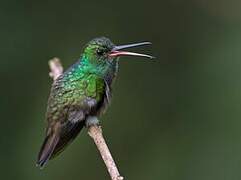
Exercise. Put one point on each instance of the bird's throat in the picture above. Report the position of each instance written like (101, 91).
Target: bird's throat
(105, 70)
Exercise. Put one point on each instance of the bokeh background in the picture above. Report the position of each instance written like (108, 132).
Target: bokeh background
(175, 118)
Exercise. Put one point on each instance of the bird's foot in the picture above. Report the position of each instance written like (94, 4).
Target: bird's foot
(92, 121)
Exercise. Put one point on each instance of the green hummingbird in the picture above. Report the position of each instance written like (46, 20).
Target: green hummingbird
(81, 94)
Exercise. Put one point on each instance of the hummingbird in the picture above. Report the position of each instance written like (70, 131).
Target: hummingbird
(81, 94)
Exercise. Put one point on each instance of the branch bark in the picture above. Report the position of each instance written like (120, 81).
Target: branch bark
(95, 132)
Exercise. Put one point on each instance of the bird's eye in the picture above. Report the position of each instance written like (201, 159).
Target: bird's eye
(100, 52)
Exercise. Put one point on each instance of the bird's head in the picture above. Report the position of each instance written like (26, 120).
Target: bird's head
(103, 51)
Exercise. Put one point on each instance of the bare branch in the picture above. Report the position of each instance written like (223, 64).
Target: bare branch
(95, 132)
(56, 68)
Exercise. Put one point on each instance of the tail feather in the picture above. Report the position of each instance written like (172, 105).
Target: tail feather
(47, 149)
(58, 140)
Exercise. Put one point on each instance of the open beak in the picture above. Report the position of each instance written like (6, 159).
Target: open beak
(116, 50)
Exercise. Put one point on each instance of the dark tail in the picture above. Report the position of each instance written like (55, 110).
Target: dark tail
(54, 144)
(47, 149)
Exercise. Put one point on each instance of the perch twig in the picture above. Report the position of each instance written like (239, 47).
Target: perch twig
(94, 131)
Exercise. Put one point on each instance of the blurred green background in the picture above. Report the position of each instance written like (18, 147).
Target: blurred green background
(175, 118)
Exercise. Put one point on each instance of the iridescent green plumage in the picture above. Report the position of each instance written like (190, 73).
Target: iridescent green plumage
(81, 92)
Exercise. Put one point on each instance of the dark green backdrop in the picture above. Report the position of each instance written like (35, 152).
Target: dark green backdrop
(175, 118)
